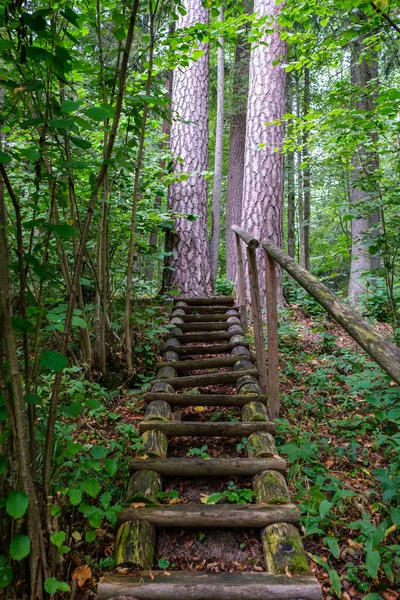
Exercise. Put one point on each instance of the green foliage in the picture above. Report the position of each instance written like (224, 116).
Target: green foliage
(233, 495)
(199, 452)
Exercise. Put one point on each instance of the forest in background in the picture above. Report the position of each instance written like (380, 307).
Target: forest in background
(96, 147)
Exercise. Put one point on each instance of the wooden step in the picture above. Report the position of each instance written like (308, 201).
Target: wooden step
(204, 310)
(204, 399)
(212, 467)
(207, 326)
(209, 349)
(208, 428)
(202, 363)
(206, 301)
(214, 336)
(194, 585)
(212, 515)
(206, 379)
(206, 318)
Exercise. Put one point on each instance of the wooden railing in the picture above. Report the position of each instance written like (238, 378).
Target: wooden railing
(381, 350)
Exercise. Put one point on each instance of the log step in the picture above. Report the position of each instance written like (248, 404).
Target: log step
(211, 428)
(209, 349)
(207, 378)
(207, 326)
(212, 467)
(209, 515)
(210, 300)
(214, 318)
(208, 586)
(204, 310)
(204, 337)
(204, 399)
(202, 363)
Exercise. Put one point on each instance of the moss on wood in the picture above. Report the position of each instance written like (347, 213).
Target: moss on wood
(134, 546)
(255, 411)
(283, 550)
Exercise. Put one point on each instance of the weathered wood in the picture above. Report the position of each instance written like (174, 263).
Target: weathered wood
(238, 339)
(283, 550)
(166, 373)
(240, 350)
(272, 332)
(235, 329)
(212, 467)
(243, 364)
(246, 379)
(134, 546)
(210, 349)
(160, 387)
(203, 399)
(203, 310)
(257, 318)
(254, 411)
(251, 389)
(158, 410)
(212, 428)
(176, 416)
(270, 488)
(386, 354)
(233, 312)
(209, 300)
(170, 356)
(172, 343)
(207, 379)
(175, 331)
(233, 320)
(180, 304)
(201, 585)
(204, 363)
(208, 515)
(241, 283)
(143, 486)
(207, 326)
(248, 239)
(260, 444)
(205, 337)
(179, 312)
(177, 321)
(214, 318)
(155, 443)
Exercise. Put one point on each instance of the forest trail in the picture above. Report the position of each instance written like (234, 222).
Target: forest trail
(207, 365)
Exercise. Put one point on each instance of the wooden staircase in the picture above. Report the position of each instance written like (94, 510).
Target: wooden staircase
(201, 328)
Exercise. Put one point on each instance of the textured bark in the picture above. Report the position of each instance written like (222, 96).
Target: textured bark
(305, 249)
(261, 445)
(134, 546)
(189, 141)
(262, 212)
(283, 550)
(270, 488)
(291, 204)
(143, 486)
(237, 140)
(363, 76)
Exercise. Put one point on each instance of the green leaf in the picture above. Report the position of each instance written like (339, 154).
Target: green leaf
(91, 487)
(64, 230)
(5, 159)
(335, 582)
(58, 538)
(20, 547)
(33, 399)
(38, 54)
(6, 573)
(75, 496)
(99, 451)
(324, 508)
(111, 466)
(21, 324)
(96, 113)
(6, 44)
(372, 563)
(79, 322)
(80, 142)
(52, 586)
(92, 403)
(30, 153)
(90, 536)
(68, 106)
(17, 504)
(70, 15)
(3, 464)
(373, 596)
(52, 360)
(163, 563)
(333, 546)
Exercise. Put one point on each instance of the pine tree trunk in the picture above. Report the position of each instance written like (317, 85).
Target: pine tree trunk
(299, 175)
(237, 141)
(291, 204)
(305, 254)
(365, 161)
(263, 172)
(219, 149)
(189, 141)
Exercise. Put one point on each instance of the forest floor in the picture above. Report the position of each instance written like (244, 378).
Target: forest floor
(337, 429)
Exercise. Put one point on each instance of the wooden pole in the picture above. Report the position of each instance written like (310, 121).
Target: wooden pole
(386, 354)
(257, 318)
(272, 347)
(241, 283)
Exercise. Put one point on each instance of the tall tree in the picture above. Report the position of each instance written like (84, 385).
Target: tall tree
(364, 74)
(189, 142)
(291, 204)
(305, 248)
(237, 140)
(263, 172)
(219, 148)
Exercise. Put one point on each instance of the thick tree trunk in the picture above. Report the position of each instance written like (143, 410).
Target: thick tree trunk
(189, 141)
(263, 172)
(365, 161)
(219, 150)
(291, 204)
(305, 249)
(237, 142)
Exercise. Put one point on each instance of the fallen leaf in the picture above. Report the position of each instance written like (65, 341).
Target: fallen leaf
(138, 505)
(82, 574)
(77, 536)
(199, 408)
(390, 595)
(174, 501)
(345, 596)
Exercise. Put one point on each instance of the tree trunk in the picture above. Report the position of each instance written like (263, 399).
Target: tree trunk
(219, 150)
(263, 172)
(299, 173)
(365, 161)
(237, 141)
(189, 141)
(291, 204)
(305, 249)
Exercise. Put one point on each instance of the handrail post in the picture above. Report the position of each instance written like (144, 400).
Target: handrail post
(241, 283)
(257, 317)
(272, 327)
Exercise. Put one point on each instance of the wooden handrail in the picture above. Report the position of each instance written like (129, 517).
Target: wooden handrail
(386, 354)
(248, 239)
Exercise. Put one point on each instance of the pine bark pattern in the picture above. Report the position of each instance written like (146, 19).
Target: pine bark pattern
(189, 141)
(263, 172)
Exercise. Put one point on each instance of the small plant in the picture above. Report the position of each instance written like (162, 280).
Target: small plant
(199, 452)
(244, 445)
(202, 537)
(232, 494)
(163, 563)
(172, 495)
